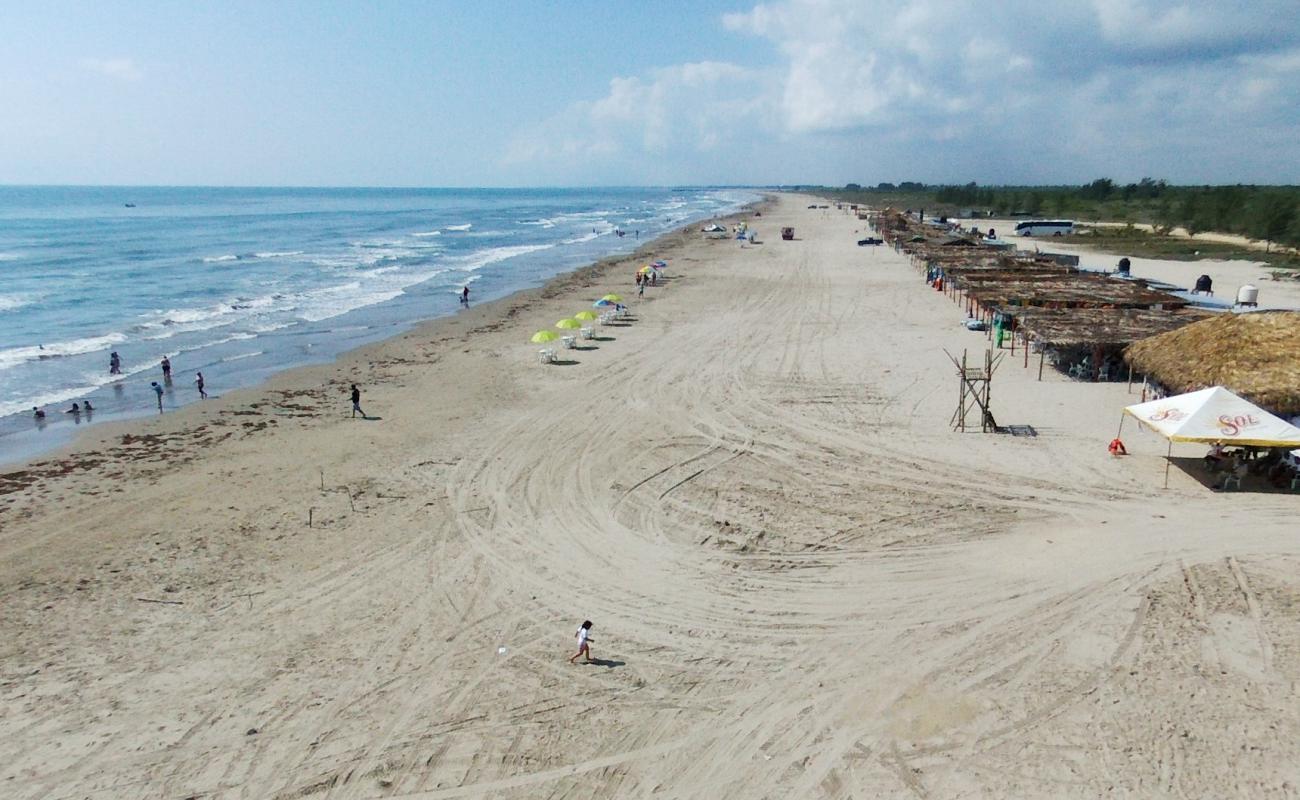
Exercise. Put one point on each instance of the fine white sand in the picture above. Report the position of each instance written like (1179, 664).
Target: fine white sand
(803, 583)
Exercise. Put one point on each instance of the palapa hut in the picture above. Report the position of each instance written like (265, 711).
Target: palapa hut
(1086, 341)
(1256, 355)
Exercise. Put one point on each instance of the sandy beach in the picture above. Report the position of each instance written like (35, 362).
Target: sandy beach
(803, 582)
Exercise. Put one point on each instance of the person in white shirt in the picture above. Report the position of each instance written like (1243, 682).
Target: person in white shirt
(584, 639)
(1215, 457)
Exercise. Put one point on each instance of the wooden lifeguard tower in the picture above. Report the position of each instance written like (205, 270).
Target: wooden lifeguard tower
(974, 391)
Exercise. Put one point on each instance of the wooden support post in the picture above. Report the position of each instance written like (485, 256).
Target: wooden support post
(961, 395)
(1042, 355)
(986, 419)
(1168, 459)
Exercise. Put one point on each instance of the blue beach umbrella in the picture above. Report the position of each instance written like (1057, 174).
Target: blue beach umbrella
(601, 303)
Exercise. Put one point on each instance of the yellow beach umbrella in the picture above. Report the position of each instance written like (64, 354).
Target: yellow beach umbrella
(613, 298)
(585, 316)
(645, 269)
(542, 337)
(568, 324)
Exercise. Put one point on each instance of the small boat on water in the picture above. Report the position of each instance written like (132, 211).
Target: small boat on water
(130, 205)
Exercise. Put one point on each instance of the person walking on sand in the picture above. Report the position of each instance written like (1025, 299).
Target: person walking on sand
(158, 392)
(584, 643)
(640, 290)
(356, 402)
(198, 381)
(167, 369)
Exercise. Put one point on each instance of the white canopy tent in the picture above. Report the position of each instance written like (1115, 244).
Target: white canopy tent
(1213, 415)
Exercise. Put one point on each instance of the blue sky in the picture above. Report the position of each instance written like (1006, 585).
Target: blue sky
(793, 91)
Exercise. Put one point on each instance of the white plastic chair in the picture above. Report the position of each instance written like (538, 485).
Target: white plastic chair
(588, 333)
(570, 342)
(1234, 477)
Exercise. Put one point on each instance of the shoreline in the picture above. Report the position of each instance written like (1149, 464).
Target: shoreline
(99, 434)
(280, 601)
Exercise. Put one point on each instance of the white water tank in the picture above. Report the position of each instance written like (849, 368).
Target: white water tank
(1248, 295)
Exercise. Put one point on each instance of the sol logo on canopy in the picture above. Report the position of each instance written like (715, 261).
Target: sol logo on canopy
(1232, 426)
(1170, 414)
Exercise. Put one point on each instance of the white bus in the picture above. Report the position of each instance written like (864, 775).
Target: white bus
(1045, 227)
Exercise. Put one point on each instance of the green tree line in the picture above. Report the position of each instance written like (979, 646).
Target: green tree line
(1270, 213)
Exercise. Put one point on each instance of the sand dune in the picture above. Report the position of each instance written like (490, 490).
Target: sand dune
(803, 583)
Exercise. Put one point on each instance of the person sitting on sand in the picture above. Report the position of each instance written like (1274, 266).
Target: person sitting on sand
(584, 643)
(1214, 458)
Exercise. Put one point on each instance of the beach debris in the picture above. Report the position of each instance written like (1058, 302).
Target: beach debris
(163, 602)
(251, 732)
(501, 650)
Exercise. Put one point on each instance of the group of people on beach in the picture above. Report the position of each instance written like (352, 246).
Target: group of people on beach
(115, 368)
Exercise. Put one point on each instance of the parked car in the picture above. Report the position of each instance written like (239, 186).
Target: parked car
(870, 240)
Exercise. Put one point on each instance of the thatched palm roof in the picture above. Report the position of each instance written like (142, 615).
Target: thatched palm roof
(1107, 327)
(1256, 355)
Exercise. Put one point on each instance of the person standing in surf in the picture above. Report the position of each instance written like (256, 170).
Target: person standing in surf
(584, 642)
(198, 381)
(158, 392)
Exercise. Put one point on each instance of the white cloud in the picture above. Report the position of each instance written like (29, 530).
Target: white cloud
(683, 111)
(120, 68)
(1175, 88)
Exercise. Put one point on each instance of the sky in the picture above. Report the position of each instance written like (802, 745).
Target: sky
(631, 93)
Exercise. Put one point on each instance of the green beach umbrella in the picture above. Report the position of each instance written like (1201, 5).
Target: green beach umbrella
(586, 316)
(542, 337)
(613, 298)
(568, 324)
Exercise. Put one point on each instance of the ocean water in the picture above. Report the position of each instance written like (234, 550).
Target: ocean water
(242, 283)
